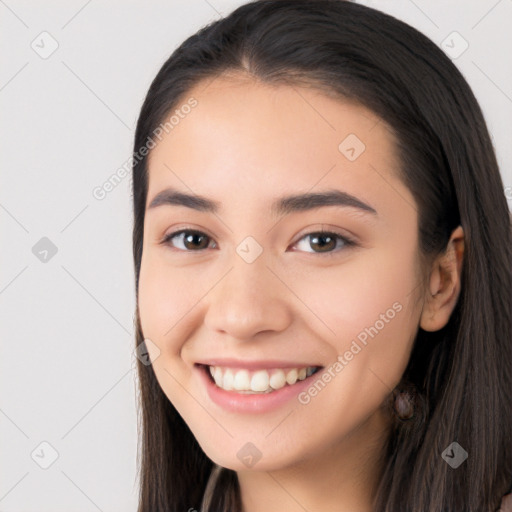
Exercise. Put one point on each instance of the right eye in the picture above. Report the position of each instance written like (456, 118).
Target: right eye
(190, 240)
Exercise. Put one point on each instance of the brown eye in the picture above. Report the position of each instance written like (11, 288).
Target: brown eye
(188, 240)
(325, 242)
(322, 242)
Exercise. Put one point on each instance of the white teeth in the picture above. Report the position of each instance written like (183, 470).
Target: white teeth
(291, 376)
(258, 381)
(227, 381)
(277, 380)
(242, 381)
(217, 375)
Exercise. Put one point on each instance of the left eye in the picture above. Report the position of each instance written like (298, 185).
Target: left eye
(196, 241)
(192, 237)
(326, 241)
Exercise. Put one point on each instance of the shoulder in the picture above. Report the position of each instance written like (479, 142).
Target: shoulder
(506, 503)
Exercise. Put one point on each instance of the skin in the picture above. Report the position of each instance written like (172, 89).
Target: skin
(244, 145)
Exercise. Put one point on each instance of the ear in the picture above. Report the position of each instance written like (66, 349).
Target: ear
(444, 284)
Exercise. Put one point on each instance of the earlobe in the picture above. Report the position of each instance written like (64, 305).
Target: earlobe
(444, 284)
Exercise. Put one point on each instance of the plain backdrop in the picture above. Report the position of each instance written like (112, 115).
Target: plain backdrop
(68, 424)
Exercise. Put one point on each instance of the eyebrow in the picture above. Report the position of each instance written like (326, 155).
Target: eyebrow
(282, 206)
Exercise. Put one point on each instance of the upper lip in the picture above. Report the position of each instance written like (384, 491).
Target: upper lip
(254, 364)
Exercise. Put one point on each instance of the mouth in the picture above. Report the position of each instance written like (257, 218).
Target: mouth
(254, 390)
(244, 381)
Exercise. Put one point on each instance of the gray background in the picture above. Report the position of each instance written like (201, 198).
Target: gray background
(67, 364)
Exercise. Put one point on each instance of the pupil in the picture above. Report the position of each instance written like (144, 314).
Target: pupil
(323, 237)
(192, 238)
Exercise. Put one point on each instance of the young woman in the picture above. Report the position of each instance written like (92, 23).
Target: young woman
(322, 250)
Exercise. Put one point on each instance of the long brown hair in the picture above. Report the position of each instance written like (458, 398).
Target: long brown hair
(461, 374)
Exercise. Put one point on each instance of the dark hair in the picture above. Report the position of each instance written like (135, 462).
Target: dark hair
(461, 374)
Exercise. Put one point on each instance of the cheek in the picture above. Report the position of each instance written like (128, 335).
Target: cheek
(371, 309)
(365, 309)
(166, 300)
(165, 296)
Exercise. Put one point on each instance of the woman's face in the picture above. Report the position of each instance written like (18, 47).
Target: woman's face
(258, 295)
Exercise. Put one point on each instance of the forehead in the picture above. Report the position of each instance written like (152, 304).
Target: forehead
(259, 140)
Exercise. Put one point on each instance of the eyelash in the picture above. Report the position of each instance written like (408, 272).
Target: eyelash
(348, 242)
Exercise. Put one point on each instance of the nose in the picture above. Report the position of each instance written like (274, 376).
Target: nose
(248, 300)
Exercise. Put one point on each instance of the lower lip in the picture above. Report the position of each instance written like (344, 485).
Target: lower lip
(247, 403)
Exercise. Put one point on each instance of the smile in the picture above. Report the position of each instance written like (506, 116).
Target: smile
(254, 387)
(258, 381)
